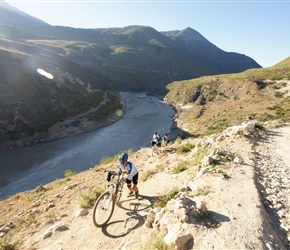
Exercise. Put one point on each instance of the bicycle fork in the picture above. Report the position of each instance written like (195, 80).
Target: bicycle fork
(107, 201)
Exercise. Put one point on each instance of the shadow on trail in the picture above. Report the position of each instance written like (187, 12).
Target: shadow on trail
(131, 204)
(132, 220)
(121, 228)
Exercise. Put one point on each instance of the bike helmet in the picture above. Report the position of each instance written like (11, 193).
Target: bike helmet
(123, 157)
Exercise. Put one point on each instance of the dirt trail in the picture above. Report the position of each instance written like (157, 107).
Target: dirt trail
(234, 202)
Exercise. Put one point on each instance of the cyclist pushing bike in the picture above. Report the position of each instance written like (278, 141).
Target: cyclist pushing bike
(131, 171)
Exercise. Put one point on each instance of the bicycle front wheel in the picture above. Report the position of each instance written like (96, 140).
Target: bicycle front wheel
(103, 209)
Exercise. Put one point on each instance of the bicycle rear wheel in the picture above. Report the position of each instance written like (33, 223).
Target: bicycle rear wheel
(103, 209)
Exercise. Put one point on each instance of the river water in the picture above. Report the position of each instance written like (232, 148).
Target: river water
(25, 168)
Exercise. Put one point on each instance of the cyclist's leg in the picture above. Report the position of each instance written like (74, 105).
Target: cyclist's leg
(129, 186)
(135, 182)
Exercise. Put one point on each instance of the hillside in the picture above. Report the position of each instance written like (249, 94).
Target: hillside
(225, 182)
(233, 181)
(87, 66)
(210, 104)
(224, 176)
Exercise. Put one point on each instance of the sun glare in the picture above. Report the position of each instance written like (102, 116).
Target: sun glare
(44, 73)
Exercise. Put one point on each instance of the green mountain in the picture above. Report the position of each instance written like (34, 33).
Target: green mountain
(88, 66)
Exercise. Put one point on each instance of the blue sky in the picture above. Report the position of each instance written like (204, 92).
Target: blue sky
(258, 29)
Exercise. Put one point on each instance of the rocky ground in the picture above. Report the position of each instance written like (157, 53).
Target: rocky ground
(233, 194)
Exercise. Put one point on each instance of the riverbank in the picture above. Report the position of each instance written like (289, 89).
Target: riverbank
(44, 163)
(71, 126)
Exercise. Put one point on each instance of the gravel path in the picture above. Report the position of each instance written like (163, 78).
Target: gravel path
(272, 159)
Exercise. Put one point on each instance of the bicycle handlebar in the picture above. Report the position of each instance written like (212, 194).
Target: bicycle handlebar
(112, 173)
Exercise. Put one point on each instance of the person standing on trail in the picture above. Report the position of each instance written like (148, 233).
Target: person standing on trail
(166, 139)
(153, 141)
(128, 168)
(158, 140)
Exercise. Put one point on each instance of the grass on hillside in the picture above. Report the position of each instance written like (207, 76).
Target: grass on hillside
(113, 159)
(207, 105)
(161, 201)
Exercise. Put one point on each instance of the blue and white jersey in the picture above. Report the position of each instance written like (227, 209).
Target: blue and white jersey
(132, 170)
(158, 139)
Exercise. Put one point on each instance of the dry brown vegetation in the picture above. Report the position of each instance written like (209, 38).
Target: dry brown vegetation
(208, 105)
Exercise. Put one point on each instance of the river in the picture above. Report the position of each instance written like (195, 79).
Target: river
(25, 168)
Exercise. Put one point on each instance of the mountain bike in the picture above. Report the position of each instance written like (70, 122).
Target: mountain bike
(105, 204)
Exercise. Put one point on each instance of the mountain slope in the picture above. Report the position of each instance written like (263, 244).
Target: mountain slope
(13, 16)
(210, 54)
(214, 102)
(89, 64)
(235, 217)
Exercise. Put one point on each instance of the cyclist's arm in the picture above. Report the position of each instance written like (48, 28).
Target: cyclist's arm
(124, 171)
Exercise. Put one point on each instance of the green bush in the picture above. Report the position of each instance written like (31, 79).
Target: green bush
(278, 94)
(161, 201)
(181, 166)
(32, 196)
(88, 199)
(106, 159)
(184, 148)
(68, 174)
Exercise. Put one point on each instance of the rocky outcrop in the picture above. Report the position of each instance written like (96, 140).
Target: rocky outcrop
(188, 209)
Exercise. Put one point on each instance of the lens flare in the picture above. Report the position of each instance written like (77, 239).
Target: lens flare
(44, 73)
(119, 112)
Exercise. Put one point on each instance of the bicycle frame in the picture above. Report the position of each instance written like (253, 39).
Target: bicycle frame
(114, 184)
(105, 204)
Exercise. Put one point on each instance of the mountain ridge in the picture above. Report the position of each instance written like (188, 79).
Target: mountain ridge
(134, 58)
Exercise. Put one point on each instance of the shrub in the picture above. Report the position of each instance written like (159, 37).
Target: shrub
(107, 160)
(184, 148)
(178, 139)
(32, 196)
(202, 152)
(7, 245)
(203, 191)
(146, 174)
(40, 188)
(181, 166)
(259, 126)
(157, 243)
(15, 196)
(88, 199)
(68, 174)
(278, 94)
(161, 201)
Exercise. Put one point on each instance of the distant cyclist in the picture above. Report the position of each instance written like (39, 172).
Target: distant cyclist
(128, 168)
